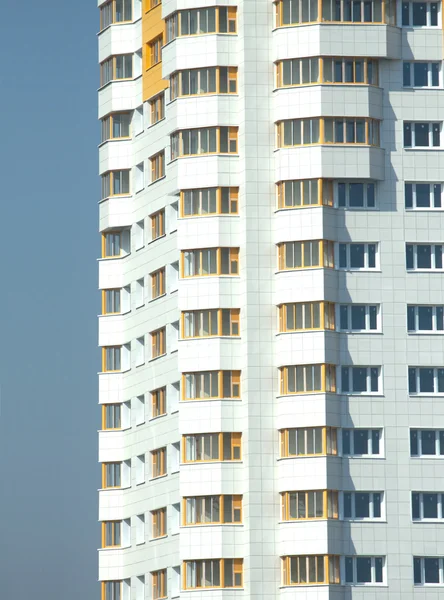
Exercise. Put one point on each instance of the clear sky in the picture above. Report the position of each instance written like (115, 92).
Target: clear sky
(48, 300)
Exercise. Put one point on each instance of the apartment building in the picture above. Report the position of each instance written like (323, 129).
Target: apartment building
(272, 380)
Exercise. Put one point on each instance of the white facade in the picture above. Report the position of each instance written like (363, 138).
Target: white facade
(391, 281)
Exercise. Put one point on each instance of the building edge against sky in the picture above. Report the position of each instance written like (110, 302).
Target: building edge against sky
(272, 299)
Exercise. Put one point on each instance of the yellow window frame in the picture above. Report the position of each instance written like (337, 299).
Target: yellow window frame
(158, 283)
(328, 379)
(235, 447)
(329, 446)
(326, 313)
(158, 462)
(324, 193)
(234, 384)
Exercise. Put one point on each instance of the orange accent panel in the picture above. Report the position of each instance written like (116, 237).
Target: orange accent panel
(152, 27)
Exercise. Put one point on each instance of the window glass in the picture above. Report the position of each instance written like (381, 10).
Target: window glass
(359, 375)
(358, 317)
(363, 569)
(362, 505)
(431, 570)
(428, 446)
(357, 256)
(360, 441)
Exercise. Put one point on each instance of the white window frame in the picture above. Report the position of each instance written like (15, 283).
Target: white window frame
(367, 307)
(348, 246)
(434, 250)
(439, 507)
(368, 391)
(431, 206)
(422, 566)
(417, 371)
(412, 64)
(420, 454)
(347, 185)
(431, 130)
(373, 571)
(371, 516)
(413, 309)
(428, 25)
(370, 452)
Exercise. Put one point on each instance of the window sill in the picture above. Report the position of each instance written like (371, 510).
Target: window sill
(426, 395)
(424, 148)
(191, 525)
(140, 543)
(297, 457)
(210, 215)
(206, 155)
(428, 457)
(156, 181)
(140, 424)
(361, 394)
(428, 585)
(344, 270)
(425, 209)
(211, 400)
(113, 141)
(157, 298)
(360, 585)
(140, 306)
(113, 430)
(367, 520)
(157, 357)
(157, 238)
(158, 477)
(151, 125)
(363, 456)
(427, 271)
(360, 331)
(120, 314)
(160, 537)
(111, 258)
(211, 462)
(116, 489)
(210, 337)
(120, 196)
(108, 548)
(430, 521)
(157, 417)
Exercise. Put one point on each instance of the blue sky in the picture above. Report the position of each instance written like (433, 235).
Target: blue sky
(48, 300)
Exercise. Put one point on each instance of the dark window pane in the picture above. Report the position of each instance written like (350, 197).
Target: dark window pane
(376, 506)
(411, 318)
(414, 442)
(359, 375)
(362, 505)
(422, 195)
(409, 256)
(343, 317)
(406, 74)
(419, 14)
(417, 570)
(439, 318)
(356, 195)
(375, 441)
(421, 132)
(426, 383)
(372, 256)
(438, 256)
(428, 444)
(424, 256)
(360, 441)
(349, 569)
(440, 380)
(347, 505)
(415, 506)
(345, 379)
(358, 317)
(378, 570)
(373, 312)
(408, 194)
(343, 256)
(357, 254)
(346, 437)
(437, 195)
(407, 135)
(341, 194)
(435, 74)
(434, 14)
(371, 195)
(420, 74)
(405, 13)
(363, 569)
(374, 379)
(430, 506)
(425, 318)
(431, 570)
(412, 381)
(436, 134)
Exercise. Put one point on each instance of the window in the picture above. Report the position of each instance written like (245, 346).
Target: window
(158, 283)
(111, 416)
(426, 380)
(159, 582)
(428, 570)
(209, 201)
(116, 126)
(422, 195)
(207, 323)
(197, 82)
(356, 194)
(158, 462)
(154, 54)
(200, 510)
(116, 183)
(420, 14)
(158, 402)
(359, 317)
(111, 534)
(159, 522)
(210, 261)
(307, 71)
(158, 224)
(361, 380)
(220, 19)
(111, 244)
(310, 570)
(318, 504)
(361, 442)
(302, 132)
(111, 358)
(360, 257)
(111, 590)
(211, 446)
(115, 68)
(424, 256)
(426, 442)
(427, 506)
(294, 12)
(208, 140)
(111, 302)
(425, 318)
(360, 570)
(209, 385)
(306, 255)
(116, 11)
(111, 475)
(154, 3)
(362, 505)
(157, 166)
(157, 108)
(421, 74)
(302, 193)
(223, 572)
(306, 316)
(308, 441)
(308, 379)
(158, 345)
(422, 135)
